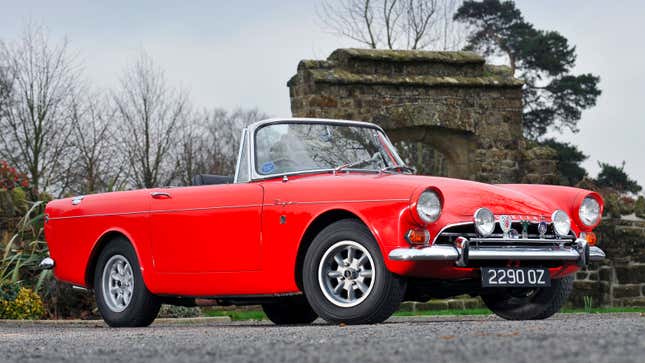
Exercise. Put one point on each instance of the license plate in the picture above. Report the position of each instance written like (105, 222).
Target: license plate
(515, 277)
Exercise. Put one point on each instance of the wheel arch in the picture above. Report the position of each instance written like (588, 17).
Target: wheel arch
(100, 243)
(317, 224)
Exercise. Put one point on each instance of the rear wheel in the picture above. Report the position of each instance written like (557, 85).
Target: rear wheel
(121, 295)
(290, 310)
(345, 278)
(529, 304)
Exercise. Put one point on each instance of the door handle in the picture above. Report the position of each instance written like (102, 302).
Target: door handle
(160, 195)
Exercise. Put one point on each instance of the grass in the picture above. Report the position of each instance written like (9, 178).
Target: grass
(605, 310)
(237, 315)
(259, 315)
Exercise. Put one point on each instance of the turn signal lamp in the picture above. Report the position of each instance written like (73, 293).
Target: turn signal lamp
(418, 237)
(590, 237)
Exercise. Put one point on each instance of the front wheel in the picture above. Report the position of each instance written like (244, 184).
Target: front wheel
(121, 295)
(345, 279)
(529, 304)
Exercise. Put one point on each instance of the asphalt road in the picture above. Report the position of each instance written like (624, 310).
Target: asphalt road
(570, 338)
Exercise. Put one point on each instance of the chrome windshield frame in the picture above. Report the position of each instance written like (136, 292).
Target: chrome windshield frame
(252, 129)
(243, 138)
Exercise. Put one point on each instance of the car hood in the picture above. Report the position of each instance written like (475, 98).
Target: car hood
(464, 197)
(461, 197)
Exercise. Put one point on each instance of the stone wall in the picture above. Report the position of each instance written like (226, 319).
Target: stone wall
(620, 279)
(450, 102)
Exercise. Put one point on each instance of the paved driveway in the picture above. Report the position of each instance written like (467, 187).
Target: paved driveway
(570, 338)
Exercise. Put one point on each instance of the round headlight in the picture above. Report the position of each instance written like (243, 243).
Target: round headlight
(561, 223)
(589, 211)
(484, 221)
(429, 206)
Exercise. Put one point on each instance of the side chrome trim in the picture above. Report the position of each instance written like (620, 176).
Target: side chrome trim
(161, 211)
(47, 263)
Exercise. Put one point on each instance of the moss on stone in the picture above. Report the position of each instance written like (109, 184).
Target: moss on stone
(313, 63)
(387, 55)
(340, 76)
(498, 70)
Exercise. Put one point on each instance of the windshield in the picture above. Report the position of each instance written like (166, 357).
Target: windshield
(293, 147)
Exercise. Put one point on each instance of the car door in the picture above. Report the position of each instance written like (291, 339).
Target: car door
(212, 228)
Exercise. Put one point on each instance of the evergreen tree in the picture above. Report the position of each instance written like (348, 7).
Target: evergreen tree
(553, 97)
(569, 159)
(614, 177)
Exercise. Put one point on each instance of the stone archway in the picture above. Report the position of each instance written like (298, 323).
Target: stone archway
(435, 150)
(448, 104)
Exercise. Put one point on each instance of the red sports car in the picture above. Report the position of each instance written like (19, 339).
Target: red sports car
(323, 219)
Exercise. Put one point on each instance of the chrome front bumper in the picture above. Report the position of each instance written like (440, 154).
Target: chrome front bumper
(579, 252)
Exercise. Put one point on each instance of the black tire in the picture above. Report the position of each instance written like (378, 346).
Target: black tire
(143, 306)
(290, 310)
(529, 304)
(387, 289)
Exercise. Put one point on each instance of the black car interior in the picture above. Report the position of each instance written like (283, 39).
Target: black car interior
(209, 179)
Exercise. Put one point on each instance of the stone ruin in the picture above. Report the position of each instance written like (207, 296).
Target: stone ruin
(448, 113)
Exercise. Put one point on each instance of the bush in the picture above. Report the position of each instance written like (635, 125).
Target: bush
(20, 303)
(173, 311)
(64, 302)
(10, 178)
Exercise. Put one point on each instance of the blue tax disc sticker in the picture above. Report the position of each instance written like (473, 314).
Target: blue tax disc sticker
(268, 167)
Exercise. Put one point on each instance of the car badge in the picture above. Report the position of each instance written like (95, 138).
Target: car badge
(505, 223)
(525, 229)
(542, 227)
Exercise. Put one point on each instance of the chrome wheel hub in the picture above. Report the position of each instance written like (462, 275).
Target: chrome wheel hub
(346, 273)
(117, 283)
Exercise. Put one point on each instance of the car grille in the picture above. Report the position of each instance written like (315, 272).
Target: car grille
(467, 230)
(448, 235)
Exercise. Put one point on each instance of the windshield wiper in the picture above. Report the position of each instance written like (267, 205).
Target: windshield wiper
(352, 165)
(391, 168)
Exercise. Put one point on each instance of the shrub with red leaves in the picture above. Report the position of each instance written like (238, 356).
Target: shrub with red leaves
(10, 178)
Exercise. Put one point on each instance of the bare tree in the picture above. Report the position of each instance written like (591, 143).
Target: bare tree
(5, 90)
(394, 24)
(100, 166)
(420, 19)
(36, 124)
(210, 145)
(353, 19)
(188, 156)
(150, 114)
(451, 34)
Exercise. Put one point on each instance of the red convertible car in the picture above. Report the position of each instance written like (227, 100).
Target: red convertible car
(323, 219)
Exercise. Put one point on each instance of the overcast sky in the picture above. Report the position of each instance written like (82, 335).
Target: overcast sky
(241, 53)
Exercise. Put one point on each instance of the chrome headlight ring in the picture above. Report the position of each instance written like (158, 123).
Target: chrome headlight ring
(429, 206)
(589, 211)
(484, 221)
(561, 223)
